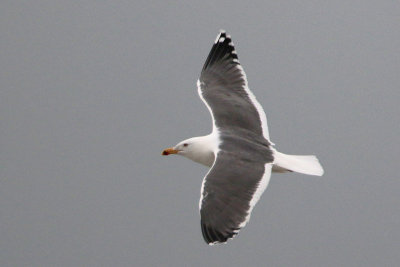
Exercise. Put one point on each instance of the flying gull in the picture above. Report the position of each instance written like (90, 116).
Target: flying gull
(238, 150)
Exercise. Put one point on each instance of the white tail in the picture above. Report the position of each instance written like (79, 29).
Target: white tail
(302, 164)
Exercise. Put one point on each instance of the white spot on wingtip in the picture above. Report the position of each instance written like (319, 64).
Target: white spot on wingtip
(217, 243)
(219, 35)
(221, 39)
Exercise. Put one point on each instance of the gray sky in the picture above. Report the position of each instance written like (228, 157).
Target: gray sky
(91, 92)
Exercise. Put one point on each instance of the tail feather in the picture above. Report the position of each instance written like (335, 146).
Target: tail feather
(297, 163)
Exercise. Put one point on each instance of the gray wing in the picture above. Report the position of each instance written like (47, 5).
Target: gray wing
(223, 87)
(230, 190)
(242, 167)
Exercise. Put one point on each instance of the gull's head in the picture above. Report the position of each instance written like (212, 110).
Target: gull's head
(182, 148)
(199, 149)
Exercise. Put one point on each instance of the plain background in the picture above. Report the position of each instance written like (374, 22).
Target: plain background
(92, 91)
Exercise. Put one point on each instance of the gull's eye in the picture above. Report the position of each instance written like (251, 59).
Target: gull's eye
(185, 145)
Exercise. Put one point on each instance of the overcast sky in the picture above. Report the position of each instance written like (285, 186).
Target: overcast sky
(92, 91)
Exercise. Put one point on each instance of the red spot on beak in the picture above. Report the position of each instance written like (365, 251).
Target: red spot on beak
(168, 151)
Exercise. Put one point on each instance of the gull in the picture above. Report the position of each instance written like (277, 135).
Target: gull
(238, 151)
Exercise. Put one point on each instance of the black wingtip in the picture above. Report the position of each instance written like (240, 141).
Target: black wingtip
(212, 236)
(222, 33)
(222, 50)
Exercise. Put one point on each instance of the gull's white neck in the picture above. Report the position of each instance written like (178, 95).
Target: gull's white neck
(203, 149)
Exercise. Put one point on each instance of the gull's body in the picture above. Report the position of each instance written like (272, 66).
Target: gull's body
(238, 150)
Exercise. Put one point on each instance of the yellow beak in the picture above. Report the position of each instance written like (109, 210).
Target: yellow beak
(168, 151)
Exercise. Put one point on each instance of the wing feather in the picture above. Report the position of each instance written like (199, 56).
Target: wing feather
(223, 87)
(229, 195)
(242, 166)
